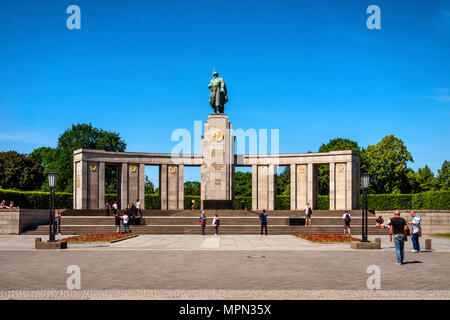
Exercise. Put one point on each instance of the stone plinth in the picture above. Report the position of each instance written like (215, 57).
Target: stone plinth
(38, 244)
(365, 245)
(217, 170)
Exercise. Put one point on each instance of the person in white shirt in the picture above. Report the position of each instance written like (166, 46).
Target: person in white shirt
(347, 218)
(216, 224)
(138, 207)
(126, 228)
(114, 207)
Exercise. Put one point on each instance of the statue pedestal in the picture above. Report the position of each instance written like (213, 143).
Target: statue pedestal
(217, 171)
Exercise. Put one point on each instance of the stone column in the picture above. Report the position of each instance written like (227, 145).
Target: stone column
(254, 187)
(93, 185)
(218, 155)
(181, 187)
(332, 186)
(80, 185)
(312, 185)
(264, 188)
(141, 194)
(163, 186)
(302, 186)
(341, 186)
(172, 187)
(101, 185)
(124, 186)
(293, 187)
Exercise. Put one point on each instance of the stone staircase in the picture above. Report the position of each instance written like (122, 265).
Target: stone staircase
(232, 222)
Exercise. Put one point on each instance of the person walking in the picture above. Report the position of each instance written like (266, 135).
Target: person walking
(398, 228)
(308, 213)
(347, 218)
(125, 219)
(416, 231)
(138, 207)
(107, 209)
(58, 222)
(133, 213)
(117, 220)
(203, 222)
(114, 208)
(216, 224)
(263, 220)
(192, 204)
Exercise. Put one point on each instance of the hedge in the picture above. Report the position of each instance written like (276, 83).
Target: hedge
(431, 200)
(36, 199)
(438, 200)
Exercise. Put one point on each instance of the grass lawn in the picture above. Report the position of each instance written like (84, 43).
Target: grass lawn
(443, 235)
(99, 237)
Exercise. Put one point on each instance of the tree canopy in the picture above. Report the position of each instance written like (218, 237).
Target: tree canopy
(387, 164)
(78, 136)
(17, 171)
(337, 144)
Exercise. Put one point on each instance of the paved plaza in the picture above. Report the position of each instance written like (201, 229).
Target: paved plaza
(223, 267)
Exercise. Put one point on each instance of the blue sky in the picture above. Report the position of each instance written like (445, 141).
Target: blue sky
(311, 69)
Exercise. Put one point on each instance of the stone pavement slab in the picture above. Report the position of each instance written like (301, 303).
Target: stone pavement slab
(221, 242)
(182, 294)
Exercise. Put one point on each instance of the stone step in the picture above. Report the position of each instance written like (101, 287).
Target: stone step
(184, 220)
(183, 229)
(221, 213)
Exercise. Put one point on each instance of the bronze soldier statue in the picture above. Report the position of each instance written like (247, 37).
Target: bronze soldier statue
(218, 95)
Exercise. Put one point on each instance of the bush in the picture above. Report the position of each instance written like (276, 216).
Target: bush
(248, 202)
(439, 200)
(152, 201)
(187, 202)
(323, 203)
(36, 199)
(430, 200)
(283, 203)
(379, 202)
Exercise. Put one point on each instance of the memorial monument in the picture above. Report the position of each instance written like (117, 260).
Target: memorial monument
(217, 162)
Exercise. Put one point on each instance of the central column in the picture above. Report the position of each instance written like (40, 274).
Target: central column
(218, 163)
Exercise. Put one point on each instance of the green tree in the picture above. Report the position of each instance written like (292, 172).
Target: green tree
(443, 178)
(192, 188)
(149, 187)
(17, 171)
(323, 172)
(79, 136)
(386, 162)
(422, 180)
(243, 184)
(284, 182)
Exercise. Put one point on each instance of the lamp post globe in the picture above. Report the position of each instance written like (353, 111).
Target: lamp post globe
(365, 177)
(365, 181)
(52, 184)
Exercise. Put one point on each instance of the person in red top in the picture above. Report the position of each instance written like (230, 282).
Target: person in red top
(203, 222)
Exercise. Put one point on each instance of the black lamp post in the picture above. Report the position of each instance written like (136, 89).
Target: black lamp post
(52, 185)
(365, 187)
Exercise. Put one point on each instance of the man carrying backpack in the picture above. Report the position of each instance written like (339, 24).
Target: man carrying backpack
(347, 218)
(263, 220)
